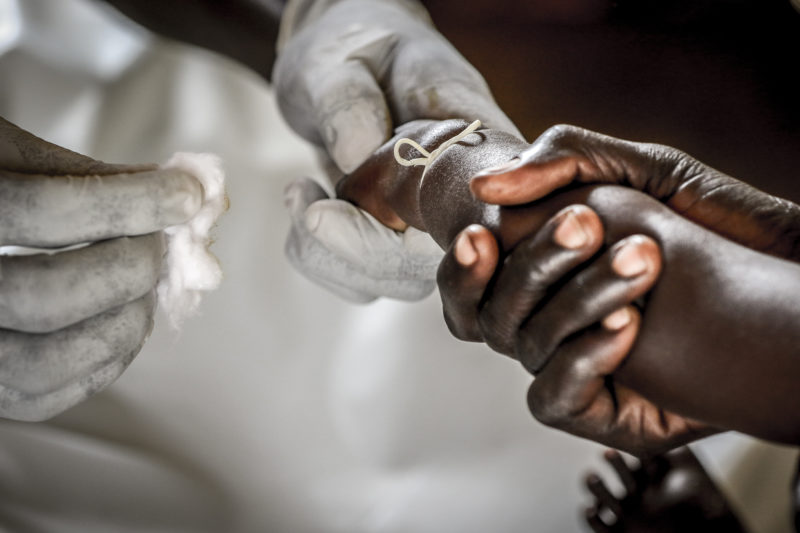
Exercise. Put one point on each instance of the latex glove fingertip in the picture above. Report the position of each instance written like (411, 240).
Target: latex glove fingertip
(300, 193)
(348, 231)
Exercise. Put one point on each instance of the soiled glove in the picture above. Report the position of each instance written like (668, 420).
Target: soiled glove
(72, 321)
(349, 252)
(348, 71)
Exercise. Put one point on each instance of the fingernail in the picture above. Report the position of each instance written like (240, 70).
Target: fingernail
(570, 233)
(466, 254)
(617, 320)
(499, 169)
(629, 261)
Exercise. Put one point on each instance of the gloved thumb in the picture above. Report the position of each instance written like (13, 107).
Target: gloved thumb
(380, 252)
(351, 114)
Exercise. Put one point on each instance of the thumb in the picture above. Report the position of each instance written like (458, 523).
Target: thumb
(298, 195)
(351, 114)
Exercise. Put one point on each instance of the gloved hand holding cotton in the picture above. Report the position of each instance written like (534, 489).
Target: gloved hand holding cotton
(84, 248)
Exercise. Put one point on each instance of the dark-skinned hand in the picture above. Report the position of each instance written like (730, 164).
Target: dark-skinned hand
(718, 337)
(663, 494)
(574, 392)
(565, 156)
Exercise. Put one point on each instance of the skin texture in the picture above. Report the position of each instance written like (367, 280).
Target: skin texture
(71, 321)
(666, 493)
(699, 321)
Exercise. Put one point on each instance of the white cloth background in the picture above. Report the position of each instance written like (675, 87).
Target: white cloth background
(280, 408)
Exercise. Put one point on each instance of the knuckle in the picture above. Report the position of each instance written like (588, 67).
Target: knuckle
(497, 330)
(543, 408)
(459, 329)
(531, 348)
(562, 135)
(562, 132)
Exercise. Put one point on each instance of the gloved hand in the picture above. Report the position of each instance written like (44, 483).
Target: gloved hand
(72, 321)
(347, 72)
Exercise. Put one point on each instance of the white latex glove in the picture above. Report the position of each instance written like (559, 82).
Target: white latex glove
(72, 321)
(348, 71)
(349, 252)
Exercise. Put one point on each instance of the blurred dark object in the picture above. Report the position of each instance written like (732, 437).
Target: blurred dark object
(666, 493)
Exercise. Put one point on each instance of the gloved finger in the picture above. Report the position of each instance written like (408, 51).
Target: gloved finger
(53, 211)
(622, 274)
(359, 281)
(363, 241)
(42, 375)
(51, 291)
(430, 79)
(603, 496)
(298, 195)
(463, 278)
(624, 472)
(570, 393)
(318, 264)
(309, 256)
(568, 239)
(350, 112)
(23, 152)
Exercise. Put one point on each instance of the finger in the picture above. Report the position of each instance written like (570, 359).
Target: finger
(603, 495)
(565, 154)
(625, 272)
(334, 261)
(592, 515)
(520, 181)
(23, 152)
(624, 472)
(44, 374)
(46, 292)
(365, 242)
(52, 211)
(351, 113)
(561, 155)
(570, 393)
(309, 256)
(573, 235)
(463, 277)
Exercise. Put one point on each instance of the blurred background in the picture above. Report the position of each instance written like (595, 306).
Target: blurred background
(282, 408)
